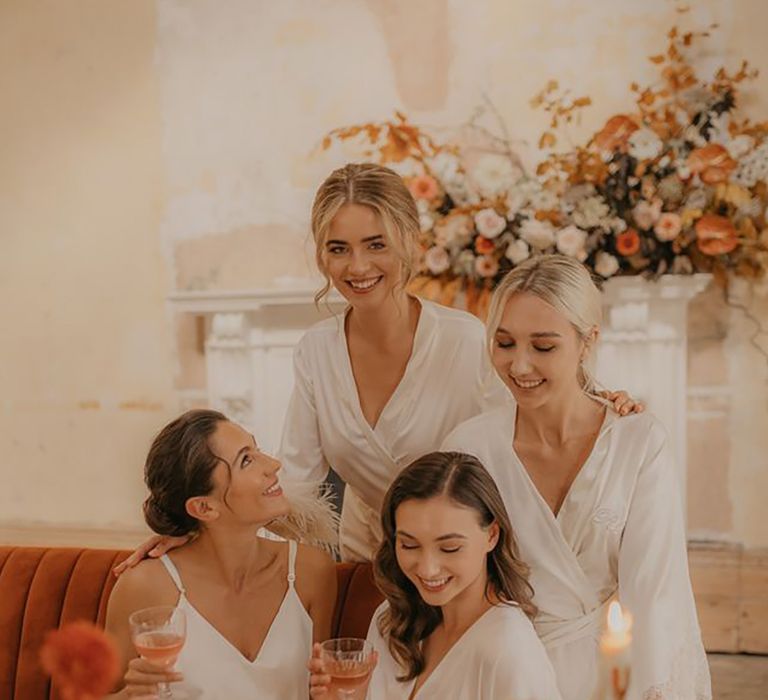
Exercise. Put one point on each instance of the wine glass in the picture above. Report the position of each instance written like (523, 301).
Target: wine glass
(158, 634)
(349, 662)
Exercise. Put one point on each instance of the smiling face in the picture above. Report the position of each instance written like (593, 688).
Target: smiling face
(359, 258)
(442, 548)
(246, 489)
(536, 351)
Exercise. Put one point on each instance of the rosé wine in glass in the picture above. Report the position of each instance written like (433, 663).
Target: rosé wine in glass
(349, 662)
(159, 648)
(158, 635)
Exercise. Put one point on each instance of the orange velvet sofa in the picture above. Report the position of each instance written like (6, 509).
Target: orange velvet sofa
(43, 588)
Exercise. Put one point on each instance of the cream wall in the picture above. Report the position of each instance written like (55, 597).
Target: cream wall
(169, 145)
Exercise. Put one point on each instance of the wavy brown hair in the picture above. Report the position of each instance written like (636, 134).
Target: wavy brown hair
(464, 480)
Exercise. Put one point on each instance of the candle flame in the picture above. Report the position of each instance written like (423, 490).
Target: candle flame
(619, 620)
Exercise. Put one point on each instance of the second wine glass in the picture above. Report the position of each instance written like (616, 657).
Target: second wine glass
(349, 662)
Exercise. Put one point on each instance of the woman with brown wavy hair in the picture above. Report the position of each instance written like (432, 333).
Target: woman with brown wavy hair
(456, 620)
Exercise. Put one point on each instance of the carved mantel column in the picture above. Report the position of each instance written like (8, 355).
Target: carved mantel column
(644, 348)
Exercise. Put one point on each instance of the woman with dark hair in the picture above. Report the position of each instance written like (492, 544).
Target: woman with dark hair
(253, 605)
(456, 620)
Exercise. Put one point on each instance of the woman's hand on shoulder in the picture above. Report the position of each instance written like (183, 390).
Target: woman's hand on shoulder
(153, 547)
(622, 402)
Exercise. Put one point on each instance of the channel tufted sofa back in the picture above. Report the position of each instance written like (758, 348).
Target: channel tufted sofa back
(43, 588)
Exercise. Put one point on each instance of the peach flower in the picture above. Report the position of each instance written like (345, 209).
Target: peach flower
(483, 246)
(616, 132)
(423, 187)
(437, 260)
(486, 266)
(82, 660)
(668, 226)
(628, 242)
(716, 235)
(489, 223)
(712, 163)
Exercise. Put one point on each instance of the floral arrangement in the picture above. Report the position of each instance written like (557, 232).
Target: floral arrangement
(82, 660)
(679, 185)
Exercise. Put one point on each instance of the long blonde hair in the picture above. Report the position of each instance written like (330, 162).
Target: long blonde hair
(380, 189)
(567, 286)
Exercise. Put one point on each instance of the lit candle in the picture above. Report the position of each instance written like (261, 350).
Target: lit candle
(614, 670)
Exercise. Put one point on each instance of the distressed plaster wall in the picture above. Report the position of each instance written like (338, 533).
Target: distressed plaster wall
(170, 145)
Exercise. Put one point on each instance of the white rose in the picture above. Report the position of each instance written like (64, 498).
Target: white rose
(538, 234)
(405, 168)
(426, 222)
(517, 251)
(453, 230)
(739, 146)
(445, 166)
(606, 265)
(495, 174)
(571, 240)
(489, 224)
(618, 225)
(422, 205)
(645, 144)
(515, 201)
(544, 200)
(437, 260)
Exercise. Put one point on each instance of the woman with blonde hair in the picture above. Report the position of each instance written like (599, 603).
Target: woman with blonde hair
(456, 619)
(594, 500)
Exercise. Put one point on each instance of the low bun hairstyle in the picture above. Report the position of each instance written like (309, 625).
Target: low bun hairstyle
(179, 466)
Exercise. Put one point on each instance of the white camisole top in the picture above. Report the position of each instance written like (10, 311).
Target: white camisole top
(214, 669)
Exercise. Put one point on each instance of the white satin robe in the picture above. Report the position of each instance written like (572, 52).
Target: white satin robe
(498, 658)
(447, 380)
(619, 532)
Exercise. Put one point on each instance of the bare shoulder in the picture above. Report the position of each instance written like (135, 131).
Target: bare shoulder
(312, 561)
(146, 584)
(315, 572)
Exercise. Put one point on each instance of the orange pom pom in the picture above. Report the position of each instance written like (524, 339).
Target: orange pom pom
(82, 660)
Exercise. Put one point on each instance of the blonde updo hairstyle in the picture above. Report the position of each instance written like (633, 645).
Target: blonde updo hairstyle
(567, 286)
(383, 191)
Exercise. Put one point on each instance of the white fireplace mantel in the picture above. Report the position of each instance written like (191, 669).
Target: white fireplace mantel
(250, 336)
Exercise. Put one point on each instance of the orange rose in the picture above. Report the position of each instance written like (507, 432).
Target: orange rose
(712, 163)
(615, 133)
(484, 246)
(423, 187)
(716, 235)
(628, 242)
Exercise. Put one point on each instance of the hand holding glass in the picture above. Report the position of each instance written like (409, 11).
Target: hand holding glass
(158, 635)
(349, 662)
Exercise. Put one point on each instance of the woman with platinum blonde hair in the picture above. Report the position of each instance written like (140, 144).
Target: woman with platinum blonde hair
(594, 500)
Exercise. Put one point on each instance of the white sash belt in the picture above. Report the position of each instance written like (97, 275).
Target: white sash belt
(554, 633)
